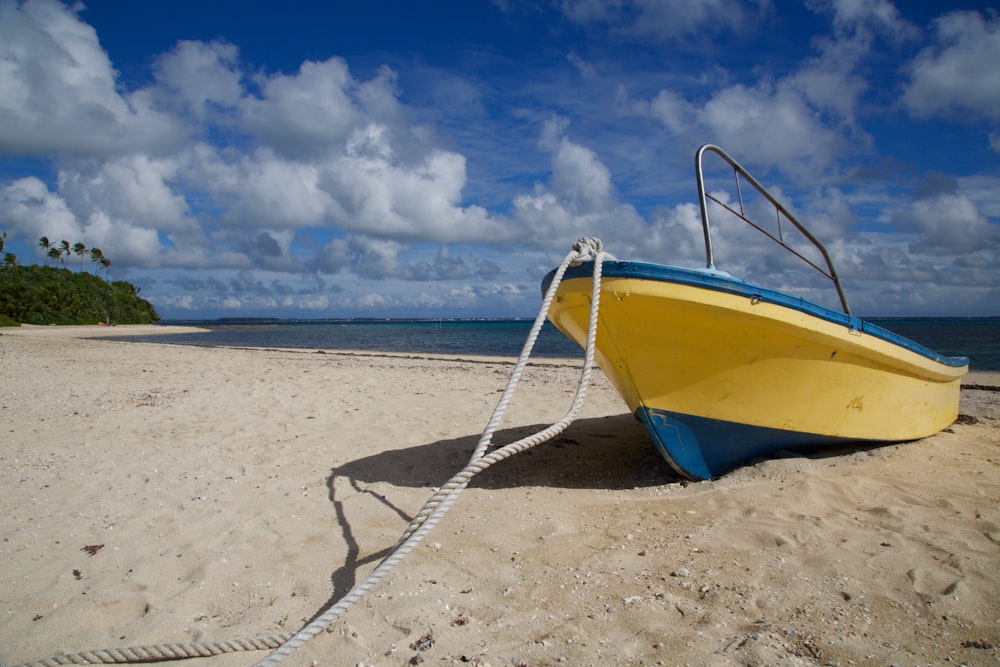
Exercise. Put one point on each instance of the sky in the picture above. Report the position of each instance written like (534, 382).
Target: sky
(436, 159)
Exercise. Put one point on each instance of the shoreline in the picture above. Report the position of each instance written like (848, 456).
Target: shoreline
(229, 493)
(95, 330)
(974, 377)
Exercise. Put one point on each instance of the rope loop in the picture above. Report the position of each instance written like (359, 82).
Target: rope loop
(587, 248)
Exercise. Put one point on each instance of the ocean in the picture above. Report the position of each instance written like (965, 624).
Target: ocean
(976, 338)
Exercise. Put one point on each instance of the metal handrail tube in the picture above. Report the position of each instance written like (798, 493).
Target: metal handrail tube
(781, 210)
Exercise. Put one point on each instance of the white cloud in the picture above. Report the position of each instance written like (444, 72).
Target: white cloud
(121, 242)
(675, 236)
(579, 179)
(305, 115)
(58, 89)
(773, 125)
(579, 200)
(32, 211)
(803, 122)
(133, 188)
(260, 189)
(201, 75)
(376, 195)
(958, 74)
(984, 190)
(829, 81)
(948, 224)
(763, 124)
(671, 109)
(320, 149)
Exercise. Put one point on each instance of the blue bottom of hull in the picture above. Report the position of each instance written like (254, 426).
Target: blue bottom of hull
(701, 448)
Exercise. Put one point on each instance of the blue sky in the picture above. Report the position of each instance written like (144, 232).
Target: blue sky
(435, 159)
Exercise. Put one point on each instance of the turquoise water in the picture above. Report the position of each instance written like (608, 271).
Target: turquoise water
(474, 337)
(976, 338)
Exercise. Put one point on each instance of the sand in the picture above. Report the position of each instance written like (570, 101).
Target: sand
(155, 494)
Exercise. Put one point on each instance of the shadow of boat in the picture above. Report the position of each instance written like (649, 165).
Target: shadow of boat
(603, 453)
(598, 453)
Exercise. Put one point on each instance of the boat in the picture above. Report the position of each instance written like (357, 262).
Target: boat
(723, 371)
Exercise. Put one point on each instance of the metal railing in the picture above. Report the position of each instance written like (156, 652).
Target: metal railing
(780, 211)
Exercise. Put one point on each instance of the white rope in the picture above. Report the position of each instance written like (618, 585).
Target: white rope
(160, 652)
(429, 515)
(438, 504)
(584, 248)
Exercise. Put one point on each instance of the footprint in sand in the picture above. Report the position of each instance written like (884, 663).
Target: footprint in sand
(933, 582)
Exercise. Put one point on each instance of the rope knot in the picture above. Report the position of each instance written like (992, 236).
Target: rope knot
(587, 247)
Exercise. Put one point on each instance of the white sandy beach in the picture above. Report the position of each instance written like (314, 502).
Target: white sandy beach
(167, 494)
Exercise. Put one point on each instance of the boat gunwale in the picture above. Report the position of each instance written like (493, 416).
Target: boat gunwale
(723, 282)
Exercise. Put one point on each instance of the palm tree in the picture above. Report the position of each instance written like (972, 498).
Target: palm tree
(96, 256)
(44, 244)
(79, 249)
(106, 263)
(56, 253)
(9, 260)
(64, 246)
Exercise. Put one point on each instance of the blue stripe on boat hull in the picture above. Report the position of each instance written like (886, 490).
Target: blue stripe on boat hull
(722, 282)
(702, 448)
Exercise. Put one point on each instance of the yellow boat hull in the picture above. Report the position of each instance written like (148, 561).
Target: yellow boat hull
(723, 371)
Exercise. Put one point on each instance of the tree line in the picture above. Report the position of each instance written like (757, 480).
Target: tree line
(49, 295)
(55, 252)
(58, 251)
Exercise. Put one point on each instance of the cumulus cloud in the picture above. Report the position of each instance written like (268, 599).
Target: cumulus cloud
(377, 196)
(133, 188)
(448, 267)
(306, 114)
(316, 148)
(947, 224)
(579, 199)
(957, 75)
(259, 188)
(372, 258)
(772, 125)
(803, 122)
(27, 201)
(489, 270)
(201, 76)
(58, 91)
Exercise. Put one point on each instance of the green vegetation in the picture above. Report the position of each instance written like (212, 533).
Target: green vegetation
(49, 295)
(46, 295)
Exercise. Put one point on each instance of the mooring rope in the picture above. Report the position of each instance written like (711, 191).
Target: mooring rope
(429, 515)
(438, 504)
(162, 652)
